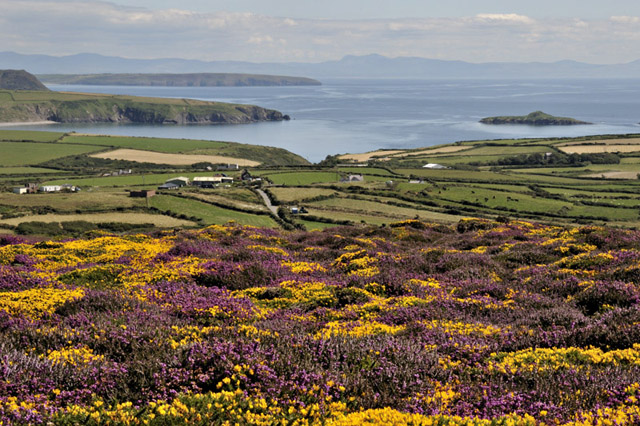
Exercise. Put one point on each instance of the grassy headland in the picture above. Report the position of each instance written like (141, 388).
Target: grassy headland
(70, 107)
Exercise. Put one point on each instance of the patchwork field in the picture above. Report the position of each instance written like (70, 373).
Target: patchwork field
(589, 149)
(528, 178)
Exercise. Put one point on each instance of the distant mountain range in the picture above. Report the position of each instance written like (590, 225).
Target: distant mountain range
(370, 66)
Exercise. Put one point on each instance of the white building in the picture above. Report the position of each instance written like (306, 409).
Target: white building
(434, 166)
(50, 188)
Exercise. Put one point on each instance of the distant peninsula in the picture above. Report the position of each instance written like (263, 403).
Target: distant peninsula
(179, 80)
(69, 107)
(23, 99)
(537, 118)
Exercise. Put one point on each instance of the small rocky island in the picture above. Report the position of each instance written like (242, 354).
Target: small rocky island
(24, 99)
(537, 118)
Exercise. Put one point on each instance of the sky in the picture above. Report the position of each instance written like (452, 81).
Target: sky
(593, 31)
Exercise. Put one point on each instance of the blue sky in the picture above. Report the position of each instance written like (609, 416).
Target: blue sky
(319, 30)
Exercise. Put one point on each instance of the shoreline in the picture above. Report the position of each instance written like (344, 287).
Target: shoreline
(26, 123)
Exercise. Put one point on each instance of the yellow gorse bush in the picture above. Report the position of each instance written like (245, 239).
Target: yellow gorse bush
(35, 303)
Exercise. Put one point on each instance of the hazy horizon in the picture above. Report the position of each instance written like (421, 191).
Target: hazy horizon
(303, 31)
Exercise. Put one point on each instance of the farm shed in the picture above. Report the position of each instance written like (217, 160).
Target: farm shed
(179, 181)
(144, 193)
(170, 185)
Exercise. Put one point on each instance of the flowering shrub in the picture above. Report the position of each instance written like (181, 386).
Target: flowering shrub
(483, 323)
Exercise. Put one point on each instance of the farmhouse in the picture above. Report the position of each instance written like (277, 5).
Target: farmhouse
(227, 167)
(210, 181)
(204, 181)
(50, 188)
(353, 178)
(30, 188)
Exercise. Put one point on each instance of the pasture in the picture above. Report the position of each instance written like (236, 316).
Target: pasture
(33, 153)
(208, 214)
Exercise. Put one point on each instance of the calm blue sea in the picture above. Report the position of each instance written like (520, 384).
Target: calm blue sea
(349, 116)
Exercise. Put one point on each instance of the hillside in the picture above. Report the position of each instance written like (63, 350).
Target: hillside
(184, 80)
(537, 118)
(20, 80)
(69, 107)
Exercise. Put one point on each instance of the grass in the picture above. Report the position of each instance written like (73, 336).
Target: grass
(303, 177)
(169, 146)
(159, 220)
(312, 225)
(288, 195)
(207, 213)
(262, 154)
(85, 201)
(222, 196)
(32, 153)
(369, 208)
(26, 170)
(29, 136)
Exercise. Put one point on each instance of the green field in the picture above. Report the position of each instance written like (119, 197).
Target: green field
(26, 171)
(170, 146)
(476, 184)
(207, 213)
(303, 177)
(29, 136)
(32, 153)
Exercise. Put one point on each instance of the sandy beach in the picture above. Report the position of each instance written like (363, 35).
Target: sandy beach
(26, 123)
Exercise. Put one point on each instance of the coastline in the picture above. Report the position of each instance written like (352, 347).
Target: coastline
(26, 123)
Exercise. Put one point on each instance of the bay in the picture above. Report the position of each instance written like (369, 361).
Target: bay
(350, 116)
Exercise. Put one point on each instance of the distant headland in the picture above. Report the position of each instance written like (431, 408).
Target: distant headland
(179, 80)
(537, 118)
(20, 80)
(24, 99)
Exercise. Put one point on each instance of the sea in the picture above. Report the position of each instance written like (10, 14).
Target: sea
(353, 115)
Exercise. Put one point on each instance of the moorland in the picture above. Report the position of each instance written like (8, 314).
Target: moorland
(478, 323)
